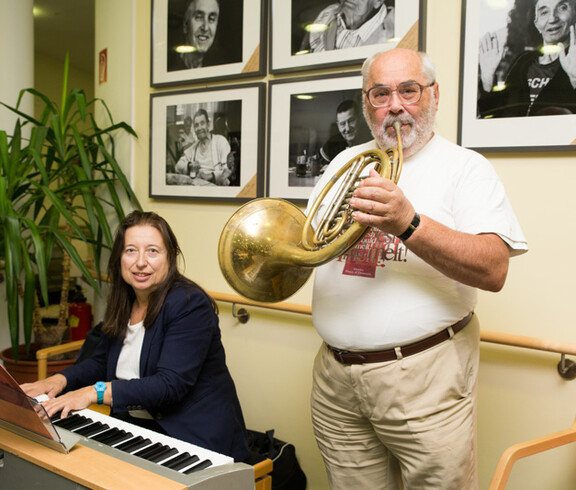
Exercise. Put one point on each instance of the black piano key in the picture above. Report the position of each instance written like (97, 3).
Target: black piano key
(102, 436)
(89, 426)
(113, 438)
(72, 422)
(91, 429)
(56, 416)
(163, 454)
(134, 444)
(125, 445)
(200, 466)
(70, 419)
(183, 460)
(147, 451)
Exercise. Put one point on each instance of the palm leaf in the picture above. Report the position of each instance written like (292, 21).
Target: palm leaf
(57, 188)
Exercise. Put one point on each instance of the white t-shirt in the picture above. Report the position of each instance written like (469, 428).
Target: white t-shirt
(217, 153)
(128, 366)
(380, 295)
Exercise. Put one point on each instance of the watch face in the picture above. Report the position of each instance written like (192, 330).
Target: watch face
(100, 386)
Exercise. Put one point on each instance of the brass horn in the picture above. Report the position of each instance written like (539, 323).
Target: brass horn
(268, 248)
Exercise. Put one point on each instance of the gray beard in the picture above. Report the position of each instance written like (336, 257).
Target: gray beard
(412, 142)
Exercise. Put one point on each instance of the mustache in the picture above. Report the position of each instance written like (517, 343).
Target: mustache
(403, 120)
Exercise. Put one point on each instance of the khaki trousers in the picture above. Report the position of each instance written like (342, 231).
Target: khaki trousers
(408, 423)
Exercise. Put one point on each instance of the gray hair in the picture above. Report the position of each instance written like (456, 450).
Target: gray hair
(428, 67)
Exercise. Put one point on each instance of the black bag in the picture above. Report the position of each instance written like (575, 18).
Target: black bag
(286, 473)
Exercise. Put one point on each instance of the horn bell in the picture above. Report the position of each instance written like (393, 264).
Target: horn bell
(255, 249)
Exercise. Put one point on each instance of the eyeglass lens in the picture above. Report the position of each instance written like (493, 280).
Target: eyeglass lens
(409, 93)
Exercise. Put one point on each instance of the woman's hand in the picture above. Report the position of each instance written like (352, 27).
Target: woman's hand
(51, 386)
(568, 57)
(489, 57)
(73, 400)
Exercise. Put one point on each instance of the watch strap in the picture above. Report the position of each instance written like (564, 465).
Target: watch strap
(100, 388)
(411, 228)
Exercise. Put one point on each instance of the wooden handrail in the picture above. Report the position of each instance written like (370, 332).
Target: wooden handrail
(283, 306)
(485, 336)
(528, 448)
(528, 342)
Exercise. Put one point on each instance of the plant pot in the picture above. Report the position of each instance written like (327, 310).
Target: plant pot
(26, 371)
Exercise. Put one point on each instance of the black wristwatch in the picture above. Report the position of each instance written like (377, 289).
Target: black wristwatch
(411, 228)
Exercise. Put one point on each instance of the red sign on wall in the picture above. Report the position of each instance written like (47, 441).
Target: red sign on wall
(103, 66)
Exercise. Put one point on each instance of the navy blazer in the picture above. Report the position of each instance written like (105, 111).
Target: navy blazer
(184, 381)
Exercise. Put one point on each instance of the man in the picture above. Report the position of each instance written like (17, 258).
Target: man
(206, 158)
(351, 23)
(347, 116)
(201, 47)
(395, 383)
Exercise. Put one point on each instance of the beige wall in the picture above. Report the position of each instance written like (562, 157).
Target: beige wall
(521, 395)
(49, 74)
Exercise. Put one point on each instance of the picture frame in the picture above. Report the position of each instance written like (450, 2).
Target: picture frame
(230, 166)
(237, 49)
(303, 130)
(494, 104)
(291, 49)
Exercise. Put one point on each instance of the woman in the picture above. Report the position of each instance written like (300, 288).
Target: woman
(162, 360)
(535, 72)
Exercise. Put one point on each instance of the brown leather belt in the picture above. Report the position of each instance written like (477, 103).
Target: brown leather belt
(348, 357)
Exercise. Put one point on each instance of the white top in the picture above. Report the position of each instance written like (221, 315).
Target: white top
(128, 366)
(380, 295)
(217, 153)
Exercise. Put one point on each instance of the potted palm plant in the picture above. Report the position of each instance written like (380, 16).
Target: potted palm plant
(60, 187)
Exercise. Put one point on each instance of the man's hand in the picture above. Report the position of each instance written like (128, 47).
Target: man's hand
(221, 174)
(382, 204)
(193, 168)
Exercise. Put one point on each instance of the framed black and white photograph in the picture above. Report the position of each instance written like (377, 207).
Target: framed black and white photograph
(517, 76)
(311, 120)
(207, 144)
(324, 33)
(194, 40)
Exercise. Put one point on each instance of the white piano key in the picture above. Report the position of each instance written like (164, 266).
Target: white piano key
(217, 459)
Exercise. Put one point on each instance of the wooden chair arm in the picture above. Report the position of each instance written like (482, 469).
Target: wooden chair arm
(262, 477)
(528, 448)
(263, 468)
(42, 355)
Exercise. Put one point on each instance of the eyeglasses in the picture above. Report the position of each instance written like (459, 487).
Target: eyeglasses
(408, 92)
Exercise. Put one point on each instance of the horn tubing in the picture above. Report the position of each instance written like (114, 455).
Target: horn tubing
(267, 249)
